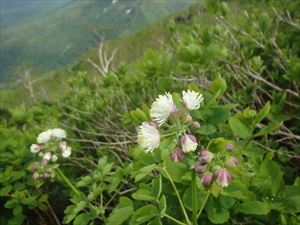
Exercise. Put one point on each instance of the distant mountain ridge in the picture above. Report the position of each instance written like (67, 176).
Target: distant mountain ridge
(48, 42)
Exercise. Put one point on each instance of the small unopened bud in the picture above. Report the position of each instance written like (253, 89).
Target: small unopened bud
(188, 143)
(187, 118)
(205, 156)
(35, 175)
(231, 162)
(206, 179)
(43, 162)
(177, 155)
(200, 168)
(34, 148)
(229, 147)
(62, 146)
(223, 177)
(67, 152)
(46, 175)
(54, 158)
(196, 125)
(41, 154)
(47, 156)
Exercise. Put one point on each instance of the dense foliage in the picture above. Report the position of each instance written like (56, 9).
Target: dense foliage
(243, 59)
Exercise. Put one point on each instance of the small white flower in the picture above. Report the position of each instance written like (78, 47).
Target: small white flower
(66, 152)
(41, 154)
(44, 137)
(191, 99)
(47, 156)
(34, 148)
(162, 108)
(58, 133)
(148, 136)
(54, 158)
(188, 143)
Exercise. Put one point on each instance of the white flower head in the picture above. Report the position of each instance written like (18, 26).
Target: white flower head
(188, 143)
(191, 99)
(44, 137)
(148, 136)
(66, 152)
(162, 108)
(58, 133)
(47, 156)
(34, 148)
(54, 158)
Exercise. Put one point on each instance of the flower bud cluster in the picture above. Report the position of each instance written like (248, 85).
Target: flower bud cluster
(209, 168)
(50, 146)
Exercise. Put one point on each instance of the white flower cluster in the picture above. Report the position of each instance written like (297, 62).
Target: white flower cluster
(161, 110)
(49, 146)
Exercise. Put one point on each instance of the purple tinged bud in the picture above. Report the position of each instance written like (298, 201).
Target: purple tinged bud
(196, 125)
(188, 143)
(177, 155)
(35, 175)
(46, 175)
(205, 156)
(43, 162)
(200, 168)
(207, 179)
(223, 177)
(229, 147)
(231, 162)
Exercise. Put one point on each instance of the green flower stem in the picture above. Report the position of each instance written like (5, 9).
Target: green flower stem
(194, 197)
(173, 219)
(177, 194)
(203, 204)
(67, 181)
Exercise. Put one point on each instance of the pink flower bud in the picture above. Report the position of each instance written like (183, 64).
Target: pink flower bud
(231, 162)
(46, 175)
(188, 143)
(196, 125)
(229, 147)
(206, 179)
(223, 177)
(43, 162)
(200, 168)
(177, 155)
(205, 156)
(35, 175)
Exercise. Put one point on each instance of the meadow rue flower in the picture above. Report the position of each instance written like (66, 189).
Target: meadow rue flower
(200, 168)
(223, 177)
(67, 152)
(162, 108)
(34, 148)
(205, 156)
(35, 175)
(44, 137)
(58, 133)
(188, 143)
(47, 156)
(148, 136)
(54, 158)
(231, 162)
(206, 179)
(177, 155)
(229, 147)
(191, 99)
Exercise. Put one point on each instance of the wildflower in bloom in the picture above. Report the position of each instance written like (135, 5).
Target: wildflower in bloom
(148, 136)
(44, 137)
(67, 152)
(231, 162)
(188, 143)
(58, 133)
(205, 156)
(206, 179)
(34, 148)
(229, 147)
(54, 158)
(47, 156)
(200, 168)
(35, 175)
(177, 155)
(196, 125)
(162, 108)
(191, 99)
(223, 177)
